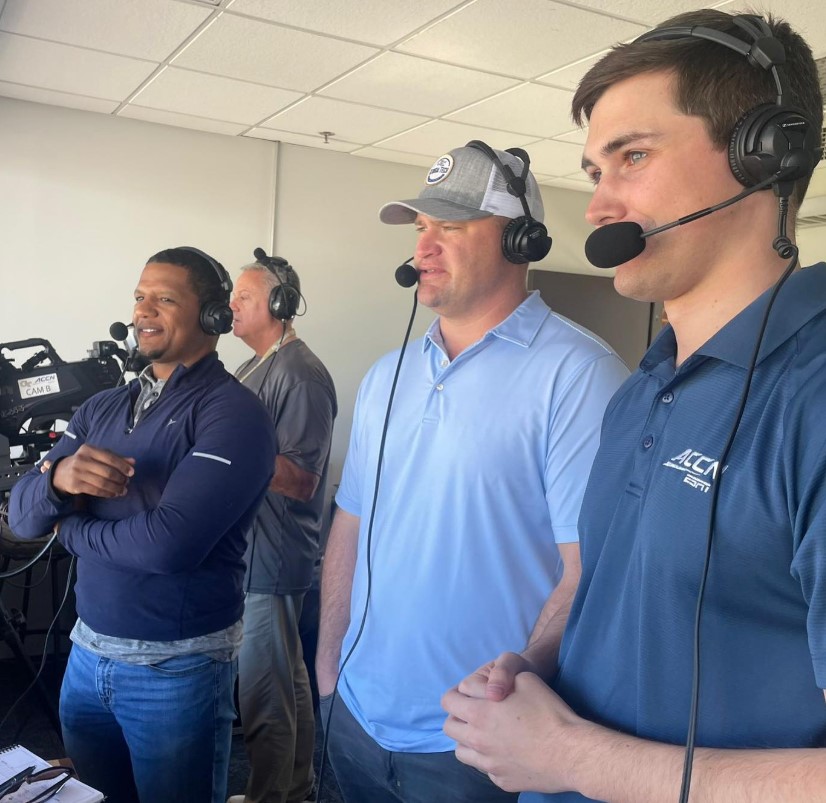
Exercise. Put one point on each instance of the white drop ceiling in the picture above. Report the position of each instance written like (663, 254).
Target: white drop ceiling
(388, 79)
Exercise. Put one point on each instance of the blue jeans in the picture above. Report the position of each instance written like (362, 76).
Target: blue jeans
(367, 773)
(149, 733)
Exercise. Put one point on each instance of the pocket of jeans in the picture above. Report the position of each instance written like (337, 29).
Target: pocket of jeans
(182, 665)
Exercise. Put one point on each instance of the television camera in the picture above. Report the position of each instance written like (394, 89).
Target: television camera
(34, 397)
(44, 390)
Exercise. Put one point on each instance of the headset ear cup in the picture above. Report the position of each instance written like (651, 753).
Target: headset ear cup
(283, 302)
(275, 303)
(770, 138)
(525, 240)
(215, 318)
(735, 152)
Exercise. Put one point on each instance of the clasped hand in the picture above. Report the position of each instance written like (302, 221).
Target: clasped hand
(511, 726)
(94, 471)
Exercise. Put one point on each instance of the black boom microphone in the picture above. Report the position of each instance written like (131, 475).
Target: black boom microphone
(617, 243)
(406, 274)
(131, 359)
(119, 331)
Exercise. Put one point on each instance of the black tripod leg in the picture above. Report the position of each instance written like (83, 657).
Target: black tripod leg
(10, 636)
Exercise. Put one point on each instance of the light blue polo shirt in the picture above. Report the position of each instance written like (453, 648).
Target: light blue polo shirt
(484, 470)
(627, 652)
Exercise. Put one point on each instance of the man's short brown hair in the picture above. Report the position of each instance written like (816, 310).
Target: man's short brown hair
(711, 81)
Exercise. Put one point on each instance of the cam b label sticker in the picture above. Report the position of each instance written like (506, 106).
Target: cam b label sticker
(34, 386)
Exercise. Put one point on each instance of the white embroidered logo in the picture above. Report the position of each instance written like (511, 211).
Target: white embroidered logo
(171, 422)
(699, 469)
(440, 170)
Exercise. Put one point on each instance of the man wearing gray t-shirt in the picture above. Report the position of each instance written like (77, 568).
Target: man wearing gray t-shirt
(274, 689)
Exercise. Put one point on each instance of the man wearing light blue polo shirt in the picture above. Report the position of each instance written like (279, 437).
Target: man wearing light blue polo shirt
(494, 426)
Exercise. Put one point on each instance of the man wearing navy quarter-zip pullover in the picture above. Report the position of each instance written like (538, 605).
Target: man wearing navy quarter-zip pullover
(152, 488)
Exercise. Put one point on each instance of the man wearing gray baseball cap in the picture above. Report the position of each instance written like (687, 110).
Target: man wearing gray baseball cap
(495, 422)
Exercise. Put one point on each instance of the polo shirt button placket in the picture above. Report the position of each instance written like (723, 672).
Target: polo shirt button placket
(647, 441)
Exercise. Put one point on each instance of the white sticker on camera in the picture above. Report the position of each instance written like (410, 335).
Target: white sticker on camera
(35, 386)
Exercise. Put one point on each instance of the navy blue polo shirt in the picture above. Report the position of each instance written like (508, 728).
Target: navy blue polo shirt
(627, 652)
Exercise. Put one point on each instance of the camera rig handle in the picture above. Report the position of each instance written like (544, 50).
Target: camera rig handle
(33, 342)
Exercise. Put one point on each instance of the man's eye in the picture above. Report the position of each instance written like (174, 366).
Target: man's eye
(636, 156)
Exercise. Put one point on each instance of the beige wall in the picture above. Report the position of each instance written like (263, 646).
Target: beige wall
(812, 244)
(86, 198)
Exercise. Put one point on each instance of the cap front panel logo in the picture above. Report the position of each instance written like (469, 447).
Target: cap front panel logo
(440, 170)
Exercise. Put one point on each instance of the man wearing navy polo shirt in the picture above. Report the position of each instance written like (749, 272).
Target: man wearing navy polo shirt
(661, 113)
(494, 425)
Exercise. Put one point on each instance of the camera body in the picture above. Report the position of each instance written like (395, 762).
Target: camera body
(45, 389)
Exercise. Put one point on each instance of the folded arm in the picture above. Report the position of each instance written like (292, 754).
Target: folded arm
(225, 470)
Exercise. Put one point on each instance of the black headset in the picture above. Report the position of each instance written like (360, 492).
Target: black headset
(771, 138)
(215, 317)
(285, 298)
(524, 238)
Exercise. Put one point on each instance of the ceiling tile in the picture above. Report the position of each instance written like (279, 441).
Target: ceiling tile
(301, 139)
(395, 156)
(540, 111)
(203, 95)
(180, 120)
(269, 54)
(349, 121)
(441, 136)
(405, 83)
(578, 135)
(378, 22)
(57, 98)
(568, 184)
(552, 158)
(570, 76)
(805, 16)
(149, 29)
(70, 69)
(646, 12)
(491, 35)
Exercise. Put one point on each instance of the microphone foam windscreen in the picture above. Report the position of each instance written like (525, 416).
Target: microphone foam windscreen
(614, 244)
(407, 275)
(118, 331)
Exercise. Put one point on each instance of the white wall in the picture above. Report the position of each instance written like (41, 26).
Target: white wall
(86, 198)
(327, 226)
